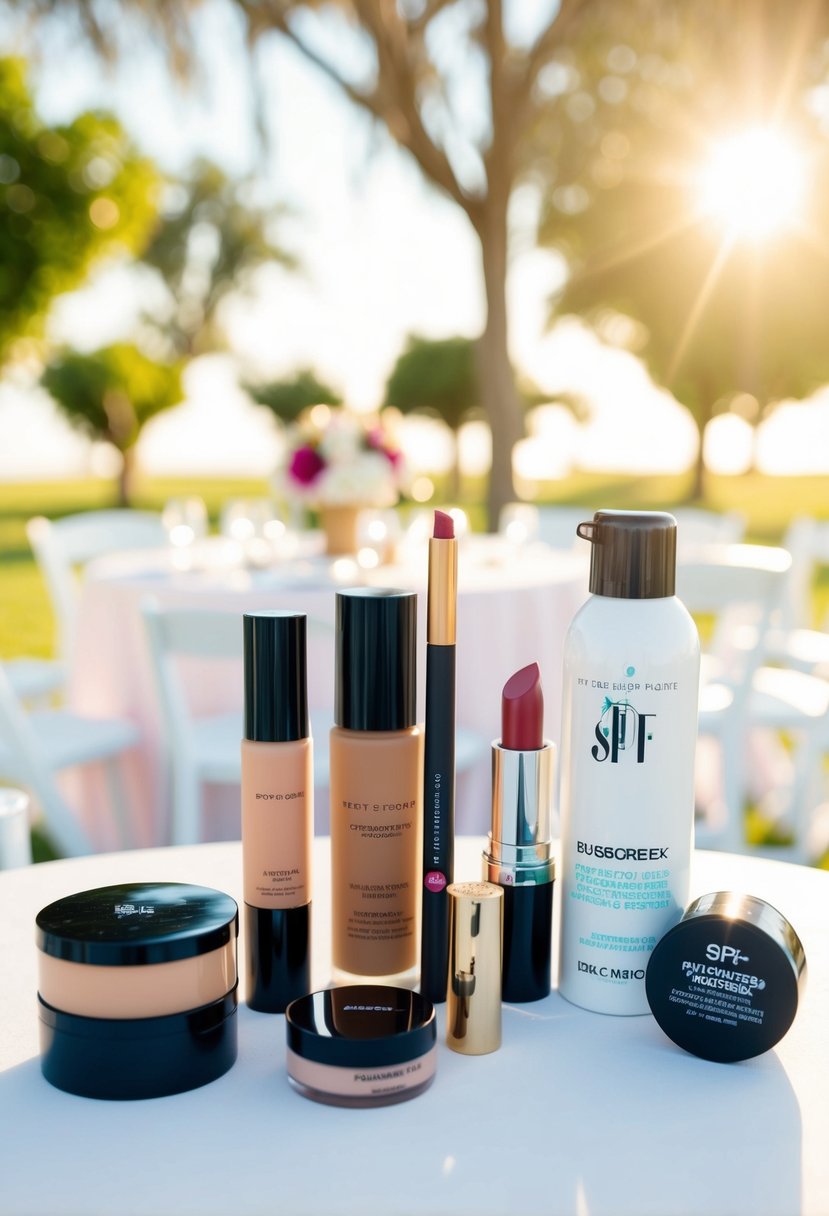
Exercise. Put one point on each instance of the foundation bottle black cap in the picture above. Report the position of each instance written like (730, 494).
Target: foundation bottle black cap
(276, 699)
(376, 659)
(278, 956)
(633, 554)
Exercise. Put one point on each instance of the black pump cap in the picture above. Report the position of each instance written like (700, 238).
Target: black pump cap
(376, 659)
(276, 699)
(633, 555)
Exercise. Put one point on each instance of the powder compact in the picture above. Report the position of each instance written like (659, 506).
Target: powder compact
(137, 989)
(725, 982)
(361, 1045)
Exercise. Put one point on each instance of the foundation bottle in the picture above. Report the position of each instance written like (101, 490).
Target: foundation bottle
(376, 786)
(277, 811)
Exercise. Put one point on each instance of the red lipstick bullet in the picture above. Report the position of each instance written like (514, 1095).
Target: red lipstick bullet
(519, 857)
(522, 711)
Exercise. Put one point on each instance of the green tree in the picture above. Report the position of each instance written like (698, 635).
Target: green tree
(455, 85)
(69, 196)
(485, 101)
(210, 238)
(110, 394)
(718, 309)
(286, 399)
(439, 376)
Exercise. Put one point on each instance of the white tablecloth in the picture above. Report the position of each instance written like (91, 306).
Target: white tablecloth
(576, 1114)
(513, 608)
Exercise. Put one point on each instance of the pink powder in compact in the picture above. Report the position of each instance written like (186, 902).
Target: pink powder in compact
(361, 1045)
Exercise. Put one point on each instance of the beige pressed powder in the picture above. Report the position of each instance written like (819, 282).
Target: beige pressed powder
(137, 989)
(132, 992)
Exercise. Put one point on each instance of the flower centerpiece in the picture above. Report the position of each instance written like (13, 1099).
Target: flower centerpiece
(340, 463)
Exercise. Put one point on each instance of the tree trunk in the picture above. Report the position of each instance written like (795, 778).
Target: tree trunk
(499, 396)
(126, 478)
(706, 413)
(454, 482)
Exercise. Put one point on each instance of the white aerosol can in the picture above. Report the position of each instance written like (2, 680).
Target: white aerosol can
(629, 724)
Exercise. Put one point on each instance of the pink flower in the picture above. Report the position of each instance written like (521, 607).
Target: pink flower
(376, 441)
(306, 465)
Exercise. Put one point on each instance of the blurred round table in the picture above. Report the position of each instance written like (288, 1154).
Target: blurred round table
(577, 1113)
(514, 606)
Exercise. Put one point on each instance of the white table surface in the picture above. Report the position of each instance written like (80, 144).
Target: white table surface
(578, 1113)
(514, 607)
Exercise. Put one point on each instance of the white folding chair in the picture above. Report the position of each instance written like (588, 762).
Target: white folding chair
(35, 746)
(35, 681)
(555, 526)
(793, 641)
(206, 749)
(739, 587)
(63, 546)
(807, 540)
(696, 526)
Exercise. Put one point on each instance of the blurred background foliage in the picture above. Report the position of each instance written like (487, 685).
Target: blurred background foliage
(286, 399)
(110, 393)
(607, 110)
(608, 113)
(69, 195)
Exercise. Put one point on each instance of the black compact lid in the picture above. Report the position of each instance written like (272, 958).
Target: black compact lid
(376, 659)
(137, 923)
(276, 699)
(722, 987)
(362, 1025)
(633, 554)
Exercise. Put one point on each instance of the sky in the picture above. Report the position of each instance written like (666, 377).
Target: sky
(382, 254)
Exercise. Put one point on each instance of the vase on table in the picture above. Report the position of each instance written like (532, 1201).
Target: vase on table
(339, 524)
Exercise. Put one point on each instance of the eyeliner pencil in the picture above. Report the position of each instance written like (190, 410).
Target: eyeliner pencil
(439, 759)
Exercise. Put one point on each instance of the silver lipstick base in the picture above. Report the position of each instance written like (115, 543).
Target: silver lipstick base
(520, 844)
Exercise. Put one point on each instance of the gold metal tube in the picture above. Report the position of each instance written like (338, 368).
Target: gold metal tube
(443, 588)
(473, 991)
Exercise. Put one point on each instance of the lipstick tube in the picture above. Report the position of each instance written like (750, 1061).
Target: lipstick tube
(519, 859)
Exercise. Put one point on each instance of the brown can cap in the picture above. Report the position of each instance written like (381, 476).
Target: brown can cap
(633, 554)
(473, 990)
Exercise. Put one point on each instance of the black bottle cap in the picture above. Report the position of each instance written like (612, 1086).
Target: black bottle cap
(376, 659)
(276, 700)
(278, 956)
(633, 555)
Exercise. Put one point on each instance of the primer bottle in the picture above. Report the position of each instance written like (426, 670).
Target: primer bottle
(629, 721)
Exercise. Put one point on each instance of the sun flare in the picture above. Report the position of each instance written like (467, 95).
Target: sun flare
(753, 184)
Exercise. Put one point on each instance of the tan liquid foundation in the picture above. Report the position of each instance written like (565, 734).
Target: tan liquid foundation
(277, 811)
(376, 782)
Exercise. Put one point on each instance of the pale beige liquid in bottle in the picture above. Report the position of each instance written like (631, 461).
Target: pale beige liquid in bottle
(376, 826)
(277, 822)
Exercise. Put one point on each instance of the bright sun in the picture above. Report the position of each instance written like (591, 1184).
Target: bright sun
(753, 184)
